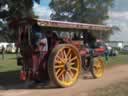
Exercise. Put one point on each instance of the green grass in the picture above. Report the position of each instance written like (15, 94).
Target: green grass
(117, 60)
(9, 63)
(119, 89)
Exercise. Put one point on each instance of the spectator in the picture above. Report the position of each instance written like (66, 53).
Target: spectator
(3, 52)
(106, 54)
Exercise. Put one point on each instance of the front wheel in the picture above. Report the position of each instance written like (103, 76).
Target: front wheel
(97, 67)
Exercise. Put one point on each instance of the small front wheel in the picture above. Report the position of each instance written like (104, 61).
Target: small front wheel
(97, 67)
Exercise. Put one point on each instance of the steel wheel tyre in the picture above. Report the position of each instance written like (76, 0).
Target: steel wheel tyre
(97, 68)
(64, 65)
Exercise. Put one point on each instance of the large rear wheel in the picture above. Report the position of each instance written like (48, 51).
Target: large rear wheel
(64, 65)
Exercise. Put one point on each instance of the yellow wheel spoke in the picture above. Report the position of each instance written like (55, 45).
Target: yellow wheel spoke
(71, 63)
(75, 69)
(58, 71)
(72, 59)
(62, 54)
(58, 62)
(65, 56)
(98, 65)
(70, 56)
(69, 50)
(61, 73)
(63, 77)
(59, 66)
(60, 59)
(69, 75)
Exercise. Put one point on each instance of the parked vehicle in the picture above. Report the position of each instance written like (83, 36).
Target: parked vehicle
(11, 48)
(3, 44)
(113, 52)
(125, 49)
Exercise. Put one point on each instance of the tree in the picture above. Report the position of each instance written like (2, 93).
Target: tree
(15, 9)
(84, 11)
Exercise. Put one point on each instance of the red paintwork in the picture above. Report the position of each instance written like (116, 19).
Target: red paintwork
(23, 76)
(99, 51)
(77, 44)
(84, 52)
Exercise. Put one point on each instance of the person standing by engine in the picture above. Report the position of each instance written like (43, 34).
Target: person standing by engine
(40, 48)
(39, 40)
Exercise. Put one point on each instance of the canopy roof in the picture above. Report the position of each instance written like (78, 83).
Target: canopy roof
(71, 25)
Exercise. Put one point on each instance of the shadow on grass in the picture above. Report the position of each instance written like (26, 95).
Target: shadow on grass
(10, 80)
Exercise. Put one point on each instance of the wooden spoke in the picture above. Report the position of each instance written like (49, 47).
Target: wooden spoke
(69, 75)
(63, 77)
(69, 51)
(73, 68)
(71, 63)
(58, 71)
(59, 66)
(72, 59)
(70, 56)
(60, 59)
(61, 73)
(58, 62)
(65, 56)
(98, 65)
(62, 54)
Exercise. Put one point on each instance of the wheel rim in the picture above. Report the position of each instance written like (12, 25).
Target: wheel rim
(67, 66)
(98, 68)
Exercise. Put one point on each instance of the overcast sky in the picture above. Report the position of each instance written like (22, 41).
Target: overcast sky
(118, 16)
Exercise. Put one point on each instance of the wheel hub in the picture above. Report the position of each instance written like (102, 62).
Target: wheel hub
(66, 67)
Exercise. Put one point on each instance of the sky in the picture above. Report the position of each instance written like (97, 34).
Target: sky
(42, 10)
(118, 17)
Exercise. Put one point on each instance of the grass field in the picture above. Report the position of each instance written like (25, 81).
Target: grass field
(116, 60)
(120, 89)
(9, 63)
